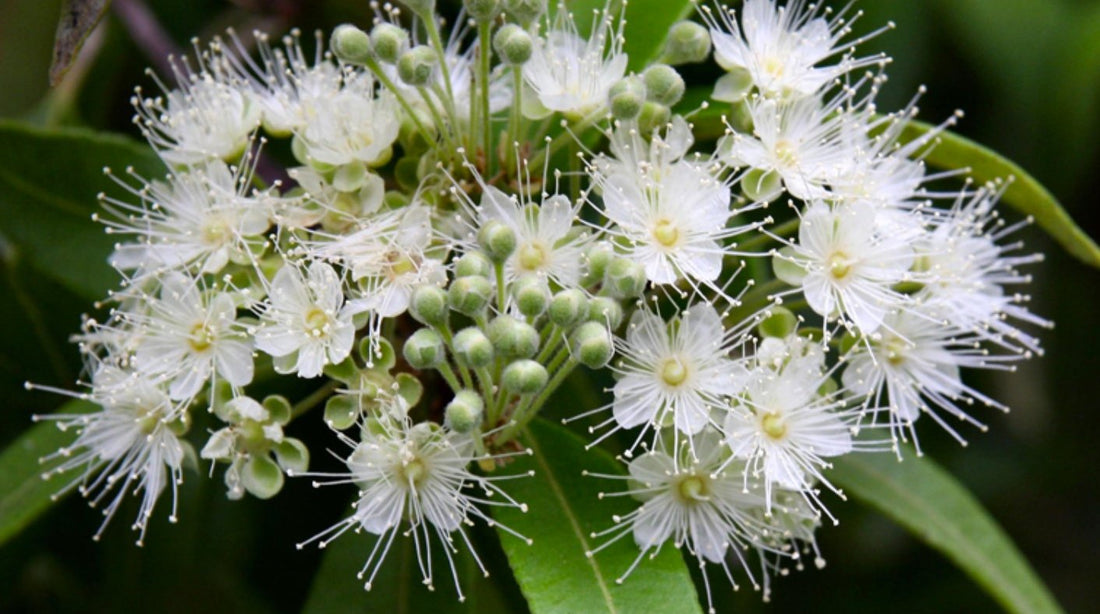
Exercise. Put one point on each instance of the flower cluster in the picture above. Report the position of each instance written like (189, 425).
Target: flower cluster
(443, 231)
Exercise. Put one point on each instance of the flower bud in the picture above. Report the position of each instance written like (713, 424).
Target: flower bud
(469, 295)
(524, 11)
(687, 43)
(568, 308)
(597, 257)
(422, 8)
(473, 348)
(532, 295)
(481, 10)
(779, 322)
(733, 86)
(605, 311)
(497, 239)
(388, 41)
(524, 377)
(663, 84)
(350, 44)
(415, 66)
(513, 44)
(428, 305)
(463, 413)
(592, 346)
(513, 338)
(653, 116)
(423, 349)
(626, 97)
(473, 264)
(624, 278)
(761, 186)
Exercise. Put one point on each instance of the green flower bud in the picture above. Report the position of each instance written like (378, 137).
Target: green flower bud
(653, 116)
(513, 44)
(497, 239)
(423, 349)
(415, 66)
(779, 322)
(687, 43)
(524, 11)
(761, 186)
(428, 305)
(663, 84)
(624, 278)
(422, 8)
(597, 257)
(524, 377)
(388, 41)
(261, 477)
(469, 295)
(568, 308)
(513, 338)
(606, 311)
(463, 413)
(473, 264)
(733, 86)
(592, 345)
(481, 10)
(351, 44)
(532, 295)
(472, 348)
(626, 97)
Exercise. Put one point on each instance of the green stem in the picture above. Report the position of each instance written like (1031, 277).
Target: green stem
(485, 54)
(517, 102)
(786, 228)
(379, 74)
(449, 376)
(314, 399)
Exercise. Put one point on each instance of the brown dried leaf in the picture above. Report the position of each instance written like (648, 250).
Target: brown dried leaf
(78, 19)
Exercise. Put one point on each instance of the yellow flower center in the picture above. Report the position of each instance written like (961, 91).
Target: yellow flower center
(839, 265)
(693, 489)
(666, 233)
(673, 372)
(532, 256)
(317, 321)
(773, 425)
(201, 337)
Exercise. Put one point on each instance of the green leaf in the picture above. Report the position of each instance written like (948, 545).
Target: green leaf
(927, 501)
(24, 495)
(647, 24)
(565, 509)
(48, 185)
(1025, 194)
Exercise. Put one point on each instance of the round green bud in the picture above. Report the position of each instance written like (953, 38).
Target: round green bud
(469, 295)
(663, 84)
(761, 186)
(568, 308)
(524, 11)
(481, 10)
(779, 322)
(624, 278)
(524, 377)
(388, 41)
(653, 116)
(350, 44)
(626, 97)
(733, 86)
(605, 311)
(597, 257)
(463, 413)
(415, 66)
(497, 239)
(428, 305)
(513, 338)
(513, 44)
(592, 346)
(423, 349)
(472, 348)
(473, 264)
(687, 43)
(422, 8)
(532, 295)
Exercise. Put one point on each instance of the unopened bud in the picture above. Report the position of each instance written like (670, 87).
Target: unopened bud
(532, 295)
(663, 84)
(463, 413)
(422, 8)
(597, 257)
(592, 346)
(605, 311)
(653, 116)
(469, 295)
(472, 348)
(524, 11)
(481, 10)
(423, 349)
(513, 44)
(779, 322)
(415, 66)
(524, 377)
(350, 44)
(388, 41)
(626, 97)
(687, 43)
(473, 264)
(568, 308)
(513, 338)
(624, 278)
(762, 186)
(497, 239)
(428, 305)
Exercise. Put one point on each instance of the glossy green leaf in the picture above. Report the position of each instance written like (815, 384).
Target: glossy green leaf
(928, 502)
(647, 24)
(49, 180)
(1025, 194)
(565, 509)
(23, 493)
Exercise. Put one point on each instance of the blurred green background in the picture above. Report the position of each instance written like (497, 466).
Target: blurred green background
(1027, 72)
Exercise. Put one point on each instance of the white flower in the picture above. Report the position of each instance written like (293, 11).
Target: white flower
(130, 445)
(781, 47)
(189, 336)
(846, 265)
(290, 88)
(674, 373)
(356, 125)
(572, 75)
(198, 220)
(669, 213)
(304, 324)
(416, 474)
